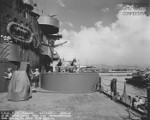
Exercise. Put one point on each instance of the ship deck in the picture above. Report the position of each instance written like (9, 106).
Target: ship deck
(57, 106)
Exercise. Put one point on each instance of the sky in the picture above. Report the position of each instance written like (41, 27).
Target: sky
(102, 31)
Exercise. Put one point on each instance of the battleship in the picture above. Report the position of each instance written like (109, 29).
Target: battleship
(27, 41)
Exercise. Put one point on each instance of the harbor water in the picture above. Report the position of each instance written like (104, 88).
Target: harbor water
(132, 90)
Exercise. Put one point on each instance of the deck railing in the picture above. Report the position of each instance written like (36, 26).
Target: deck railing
(125, 97)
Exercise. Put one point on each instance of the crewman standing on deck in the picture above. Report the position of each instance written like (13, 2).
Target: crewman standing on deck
(59, 65)
(73, 65)
(9, 74)
(36, 76)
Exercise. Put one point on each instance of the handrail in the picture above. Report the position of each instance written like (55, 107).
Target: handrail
(110, 80)
(122, 89)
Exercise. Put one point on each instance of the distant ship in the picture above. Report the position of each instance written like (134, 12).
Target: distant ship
(139, 78)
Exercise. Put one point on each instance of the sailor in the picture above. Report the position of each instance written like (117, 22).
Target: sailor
(73, 65)
(113, 87)
(139, 101)
(36, 75)
(59, 65)
(136, 101)
(9, 74)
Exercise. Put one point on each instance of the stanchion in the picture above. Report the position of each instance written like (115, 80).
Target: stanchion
(113, 88)
(147, 117)
(98, 86)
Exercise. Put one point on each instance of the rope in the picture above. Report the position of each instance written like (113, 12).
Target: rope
(127, 92)
(106, 79)
(105, 84)
(110, 80)
(122, 89)
(133, 93)
(106, 90)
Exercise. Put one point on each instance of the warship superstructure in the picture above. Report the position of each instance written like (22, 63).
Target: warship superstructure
(27, 39)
